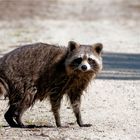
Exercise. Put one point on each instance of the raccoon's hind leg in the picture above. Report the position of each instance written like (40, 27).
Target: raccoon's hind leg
(24, 105)
(9, 116)
(75, 99)
(14, 114)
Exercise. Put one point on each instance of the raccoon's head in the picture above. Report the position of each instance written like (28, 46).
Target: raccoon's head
(83, 58)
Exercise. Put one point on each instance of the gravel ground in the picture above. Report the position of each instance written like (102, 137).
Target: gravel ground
(112, 102)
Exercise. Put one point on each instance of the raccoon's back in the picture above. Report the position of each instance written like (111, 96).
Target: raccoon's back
(30, 60)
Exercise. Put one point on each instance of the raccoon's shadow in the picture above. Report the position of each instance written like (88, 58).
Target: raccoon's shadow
(33, 126)
(39, 126)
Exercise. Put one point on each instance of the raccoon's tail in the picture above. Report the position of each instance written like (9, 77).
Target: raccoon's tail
(4, 89)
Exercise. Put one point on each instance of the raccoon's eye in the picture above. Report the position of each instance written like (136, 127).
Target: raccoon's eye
(77, 60)
(90, 60)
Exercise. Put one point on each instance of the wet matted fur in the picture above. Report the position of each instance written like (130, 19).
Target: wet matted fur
(39, 71)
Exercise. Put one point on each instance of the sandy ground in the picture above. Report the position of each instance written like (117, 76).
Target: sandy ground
(112, 103)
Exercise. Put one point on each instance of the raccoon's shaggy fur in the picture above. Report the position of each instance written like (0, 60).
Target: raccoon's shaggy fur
(37, 71)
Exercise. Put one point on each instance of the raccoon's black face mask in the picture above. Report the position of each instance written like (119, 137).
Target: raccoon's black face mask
(84, 58)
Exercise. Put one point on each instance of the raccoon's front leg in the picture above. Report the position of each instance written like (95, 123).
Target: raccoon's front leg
(75, 100)
(55, 103)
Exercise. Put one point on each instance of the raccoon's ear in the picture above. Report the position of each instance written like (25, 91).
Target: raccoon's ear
(72, 45)
(98, 47)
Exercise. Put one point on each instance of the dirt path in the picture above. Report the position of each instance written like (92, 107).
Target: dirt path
(112, 103)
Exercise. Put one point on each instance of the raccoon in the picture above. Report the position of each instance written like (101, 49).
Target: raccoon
(39, 71)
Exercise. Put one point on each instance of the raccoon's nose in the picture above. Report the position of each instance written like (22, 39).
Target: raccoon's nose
(84, 67)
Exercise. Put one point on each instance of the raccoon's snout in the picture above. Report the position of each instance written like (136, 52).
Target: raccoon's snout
(84, 67)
